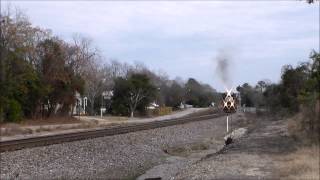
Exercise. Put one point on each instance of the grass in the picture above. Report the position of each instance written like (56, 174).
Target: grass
(11, 129)
(302, 164)
(114, 118)
(45, 121)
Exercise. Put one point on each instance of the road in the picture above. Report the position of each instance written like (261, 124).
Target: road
(111, 120)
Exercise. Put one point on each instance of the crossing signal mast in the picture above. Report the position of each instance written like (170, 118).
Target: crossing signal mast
(229, 104)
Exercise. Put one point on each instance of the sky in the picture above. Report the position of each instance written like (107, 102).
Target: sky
(184, 38)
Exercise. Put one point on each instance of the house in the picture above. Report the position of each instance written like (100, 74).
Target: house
(153, 105)
(185, 106)
(80, 106)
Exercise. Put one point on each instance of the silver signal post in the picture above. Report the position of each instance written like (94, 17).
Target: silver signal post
(229, 105)
(227, 123)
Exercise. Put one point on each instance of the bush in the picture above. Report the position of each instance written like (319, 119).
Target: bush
(161, 111)
(13, 112)
(164, 111)
(305, 125)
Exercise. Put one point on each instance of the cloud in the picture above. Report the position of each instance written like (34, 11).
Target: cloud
(181, 37)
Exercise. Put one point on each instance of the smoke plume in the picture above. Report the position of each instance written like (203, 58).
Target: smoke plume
(223, 68)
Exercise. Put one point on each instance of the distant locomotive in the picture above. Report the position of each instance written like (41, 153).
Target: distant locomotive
(229, 102)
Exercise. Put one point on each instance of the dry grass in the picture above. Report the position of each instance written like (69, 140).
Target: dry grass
(51, 121)
(294, 124)
(302, 164)
(299, 128)
(46, 121)
(13, 129)
(27, 126)
(84, 125)
(114, 118)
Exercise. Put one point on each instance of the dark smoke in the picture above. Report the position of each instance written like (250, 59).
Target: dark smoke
(223, 61)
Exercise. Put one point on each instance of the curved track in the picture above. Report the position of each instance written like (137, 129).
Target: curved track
(17, 144)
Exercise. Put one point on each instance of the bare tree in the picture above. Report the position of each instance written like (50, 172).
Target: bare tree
(95, 83)
(117, 69)
(135, 97)
(82, 54)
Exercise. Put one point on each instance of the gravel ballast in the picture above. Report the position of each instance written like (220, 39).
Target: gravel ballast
(123, 156)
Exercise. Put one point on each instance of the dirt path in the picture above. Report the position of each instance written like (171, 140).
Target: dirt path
(112, 119)
(250, 157)
(253, 156)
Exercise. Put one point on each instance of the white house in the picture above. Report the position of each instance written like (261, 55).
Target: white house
(185, 106)
(80, 106)
(153, 105)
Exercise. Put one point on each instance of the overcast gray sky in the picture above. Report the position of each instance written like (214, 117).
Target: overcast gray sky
(183, 38)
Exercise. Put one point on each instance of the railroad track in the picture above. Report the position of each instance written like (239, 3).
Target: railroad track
(11, 145)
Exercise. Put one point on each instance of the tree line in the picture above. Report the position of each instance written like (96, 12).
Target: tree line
(297, 92)
(135, 86)
(41, 73)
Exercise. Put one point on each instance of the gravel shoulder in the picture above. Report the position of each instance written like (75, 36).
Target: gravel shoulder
(189, 151)
(261, 149)
(123, 156)
(254, 156)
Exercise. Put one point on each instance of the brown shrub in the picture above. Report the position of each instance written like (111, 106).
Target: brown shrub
(301, 164)
(306, 125)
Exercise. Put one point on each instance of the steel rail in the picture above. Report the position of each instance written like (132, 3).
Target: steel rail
(11, 145)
